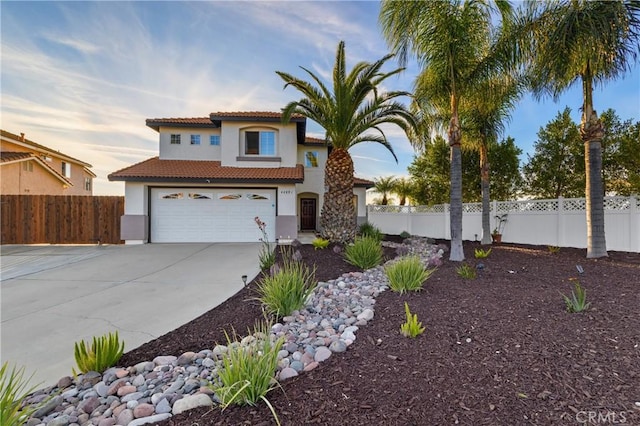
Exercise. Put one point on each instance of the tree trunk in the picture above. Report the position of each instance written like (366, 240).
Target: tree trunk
(456, 253)
(486, 195)
(591, 132)
(338, 218)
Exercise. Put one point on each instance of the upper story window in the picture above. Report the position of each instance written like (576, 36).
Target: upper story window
(214, 140)
(27, 166)
(175, 139)
(195, 139)
(311, 159)
(66, 169)
(87, 184)
(260, 143)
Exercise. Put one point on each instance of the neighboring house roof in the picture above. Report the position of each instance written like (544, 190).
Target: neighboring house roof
(156, 170)
(199, 122)
(8, 157)
(362, 183)
(21, 140)
(314, 141)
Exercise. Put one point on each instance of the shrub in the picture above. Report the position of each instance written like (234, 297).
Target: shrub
(369, 230)
(411, 328)
(407, 274)
(578, 300)
(320, 243)
(267, 256)
(466, 271)
(365, 252)
(13, 390)
(288, 289)
(553, 249)
(248, 372)
(105, 352)
(482, 254)
(405, 234)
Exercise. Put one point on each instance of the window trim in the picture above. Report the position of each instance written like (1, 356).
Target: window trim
(175, 139)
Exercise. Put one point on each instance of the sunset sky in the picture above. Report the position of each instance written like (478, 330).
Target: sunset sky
(82, 77)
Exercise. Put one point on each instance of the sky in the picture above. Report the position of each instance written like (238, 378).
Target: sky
(82, 77)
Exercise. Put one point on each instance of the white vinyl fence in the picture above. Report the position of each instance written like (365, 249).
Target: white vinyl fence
(560, 222)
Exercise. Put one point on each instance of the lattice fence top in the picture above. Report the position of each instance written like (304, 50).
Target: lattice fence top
(500, 207)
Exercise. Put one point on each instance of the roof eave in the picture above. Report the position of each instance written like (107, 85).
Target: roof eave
(160, 179)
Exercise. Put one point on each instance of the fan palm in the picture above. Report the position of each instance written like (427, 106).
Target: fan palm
(458, 46)
(384, 186)
(347, 114)
(590, 42)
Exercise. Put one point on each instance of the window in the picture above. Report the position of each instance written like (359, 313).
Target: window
(175, 139)
(311, 159)
(66, 169)
(214, 140)
(87, 184)
(27, 166)
(260, 143)
(195, 139)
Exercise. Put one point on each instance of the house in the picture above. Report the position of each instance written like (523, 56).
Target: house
(214, 175)
(29, 168)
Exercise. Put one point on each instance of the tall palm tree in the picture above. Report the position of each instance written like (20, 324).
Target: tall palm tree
(589, 42)
(403, 188)
(384, 186)
(457, 45)
(347, 113)
(483, 116)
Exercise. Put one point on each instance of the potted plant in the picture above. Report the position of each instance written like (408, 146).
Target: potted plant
(496, 235)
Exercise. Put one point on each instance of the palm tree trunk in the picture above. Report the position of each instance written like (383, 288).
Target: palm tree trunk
(338, 219)
(591, 131)
(486, 209)
(456, 253)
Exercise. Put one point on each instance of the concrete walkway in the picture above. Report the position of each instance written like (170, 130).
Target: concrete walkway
(54, 296)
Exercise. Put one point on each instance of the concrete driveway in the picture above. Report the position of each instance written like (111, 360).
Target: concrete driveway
(54, 296)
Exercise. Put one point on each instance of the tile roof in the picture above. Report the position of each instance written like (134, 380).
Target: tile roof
(18, 139)
(254, 115)
(155, 123)
(314, 141)
(157, 170)
(362, 182)
(6, 156)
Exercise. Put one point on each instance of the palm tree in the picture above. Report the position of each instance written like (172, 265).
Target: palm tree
(403, 188)
(458, 46)
(483, 117)
(347, 113)
(591, 42)
(384, 186)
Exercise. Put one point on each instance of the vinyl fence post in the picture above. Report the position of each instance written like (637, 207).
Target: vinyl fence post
(560, 223)
(634, 225)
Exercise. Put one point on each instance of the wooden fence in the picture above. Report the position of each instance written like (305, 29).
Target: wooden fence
(60, 219)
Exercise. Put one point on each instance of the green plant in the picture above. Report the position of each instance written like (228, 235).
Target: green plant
(405, 234)
(466, 271)
(407, 274)
(14, 389)
(247, 372)
(365, 252)
(369, 230)
(578, 300)
(411, 328)
(267, 256)
(482, 254)
(320, 243)
(288, 289)
(553, 249)
(105, 351)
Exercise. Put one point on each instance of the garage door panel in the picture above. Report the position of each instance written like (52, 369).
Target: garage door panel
(199, 215)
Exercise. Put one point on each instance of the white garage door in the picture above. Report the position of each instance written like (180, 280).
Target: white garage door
(193, 215)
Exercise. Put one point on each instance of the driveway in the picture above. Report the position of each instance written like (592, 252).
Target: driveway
(54, 296)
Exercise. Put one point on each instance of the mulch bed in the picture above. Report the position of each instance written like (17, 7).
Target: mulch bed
(497, 350)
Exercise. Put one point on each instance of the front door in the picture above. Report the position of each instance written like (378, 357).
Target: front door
(307, 214)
